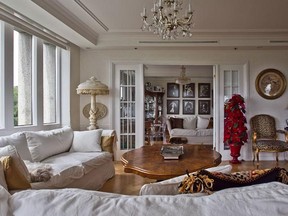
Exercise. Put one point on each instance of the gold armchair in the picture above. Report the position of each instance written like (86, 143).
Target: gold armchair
(264, 136)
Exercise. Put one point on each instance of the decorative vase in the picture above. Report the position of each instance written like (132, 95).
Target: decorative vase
(235, 153)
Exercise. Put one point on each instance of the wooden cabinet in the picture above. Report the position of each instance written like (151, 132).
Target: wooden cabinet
(153, 106)
(153, 116)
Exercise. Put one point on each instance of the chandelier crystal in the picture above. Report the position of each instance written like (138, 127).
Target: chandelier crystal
(167, 21)
(183, 79)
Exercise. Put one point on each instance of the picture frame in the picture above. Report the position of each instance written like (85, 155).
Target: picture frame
(173, 90)
(270, 84)
(188, 90)
(188, 107)
(204, 107)
(204, 90)
(173, 106)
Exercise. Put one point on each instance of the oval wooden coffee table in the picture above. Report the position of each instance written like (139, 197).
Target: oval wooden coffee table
(148, 162)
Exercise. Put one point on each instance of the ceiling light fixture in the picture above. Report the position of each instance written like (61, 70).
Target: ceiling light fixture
(166, 21)
(183, 79)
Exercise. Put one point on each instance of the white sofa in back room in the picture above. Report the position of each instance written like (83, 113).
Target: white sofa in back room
(75, 159)
(197, 129)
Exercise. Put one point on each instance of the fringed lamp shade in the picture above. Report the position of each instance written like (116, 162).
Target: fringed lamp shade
(92, 87)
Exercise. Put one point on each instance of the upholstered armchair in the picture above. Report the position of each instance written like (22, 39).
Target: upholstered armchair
(265, 136)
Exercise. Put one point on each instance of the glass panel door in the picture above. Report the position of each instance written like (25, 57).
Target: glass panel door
(127, 109)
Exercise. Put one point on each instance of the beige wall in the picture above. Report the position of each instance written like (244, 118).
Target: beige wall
(98, 63)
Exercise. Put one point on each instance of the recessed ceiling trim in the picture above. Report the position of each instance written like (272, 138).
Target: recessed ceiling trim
(278, 41)
(83, 6)
(181, 42)
(56, 9)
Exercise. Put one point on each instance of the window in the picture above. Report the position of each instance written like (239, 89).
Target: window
(50, 79)
(22, 78)
(30, 86)
(1, 75)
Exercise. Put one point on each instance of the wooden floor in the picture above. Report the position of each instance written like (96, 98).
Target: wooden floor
(130, 184)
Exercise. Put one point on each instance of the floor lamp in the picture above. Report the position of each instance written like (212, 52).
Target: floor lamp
(92, 87)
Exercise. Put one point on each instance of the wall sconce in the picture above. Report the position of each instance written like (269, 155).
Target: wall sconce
(92, 87)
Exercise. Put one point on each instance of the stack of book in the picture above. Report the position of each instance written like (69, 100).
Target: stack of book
(172, 152)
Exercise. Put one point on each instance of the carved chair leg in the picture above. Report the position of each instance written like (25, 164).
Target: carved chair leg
(257, 155)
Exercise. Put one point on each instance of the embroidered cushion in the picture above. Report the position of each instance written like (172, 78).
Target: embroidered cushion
(205, 181)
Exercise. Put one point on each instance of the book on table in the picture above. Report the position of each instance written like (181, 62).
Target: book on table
(172, 152)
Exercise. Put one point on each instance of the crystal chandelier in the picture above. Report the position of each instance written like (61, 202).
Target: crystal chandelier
(166, 21)
(183, 79)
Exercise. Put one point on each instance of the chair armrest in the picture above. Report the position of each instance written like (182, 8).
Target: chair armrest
(285, 134)
(168, 124)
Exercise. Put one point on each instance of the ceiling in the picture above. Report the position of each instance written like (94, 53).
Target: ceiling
(105, 24)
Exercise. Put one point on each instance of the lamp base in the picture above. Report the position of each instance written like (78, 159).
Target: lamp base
(92, 127)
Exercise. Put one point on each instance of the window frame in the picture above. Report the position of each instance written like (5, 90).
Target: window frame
(6, 83)
(2, 77)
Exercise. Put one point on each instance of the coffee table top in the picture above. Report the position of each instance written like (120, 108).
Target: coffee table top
(148, 162)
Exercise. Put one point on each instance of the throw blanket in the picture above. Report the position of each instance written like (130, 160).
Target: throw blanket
(263, 199)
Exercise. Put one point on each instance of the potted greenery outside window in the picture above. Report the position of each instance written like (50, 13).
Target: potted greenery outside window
(235, 131)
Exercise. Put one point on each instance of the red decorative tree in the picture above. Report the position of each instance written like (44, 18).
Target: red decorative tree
(235, 131)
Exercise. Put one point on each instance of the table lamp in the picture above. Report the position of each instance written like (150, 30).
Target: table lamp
(92, 87)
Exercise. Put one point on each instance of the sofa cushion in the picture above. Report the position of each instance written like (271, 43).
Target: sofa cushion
(86, 141)
(19, 141)
(176, 122)
(43, 144)
(18, 162)
(70, 166)
(2, 177)
(190, 122)
(15, 179)
(182, 132)
(202, 123)
(107, 143)
(210, 124)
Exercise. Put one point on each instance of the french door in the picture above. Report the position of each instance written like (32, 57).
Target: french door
(129, 109)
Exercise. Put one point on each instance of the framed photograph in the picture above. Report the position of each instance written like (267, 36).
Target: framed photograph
(173, 106)
(189, 90)
(204, 90)
(204, 107)
(270, 84)
(188, 107)
(173, 90)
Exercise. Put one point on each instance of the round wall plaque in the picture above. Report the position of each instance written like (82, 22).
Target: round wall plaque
(270, 84)
(101, 110)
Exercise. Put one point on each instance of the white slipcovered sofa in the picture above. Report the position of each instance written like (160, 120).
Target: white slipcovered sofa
(197, 129)
(73, 159)
(257, 200)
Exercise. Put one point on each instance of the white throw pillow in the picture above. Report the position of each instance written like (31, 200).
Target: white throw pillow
(2, 177)
(19, 141)
(202, 123)
(190, 122)
(43, 144)
(12, 151)
(86, 141)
